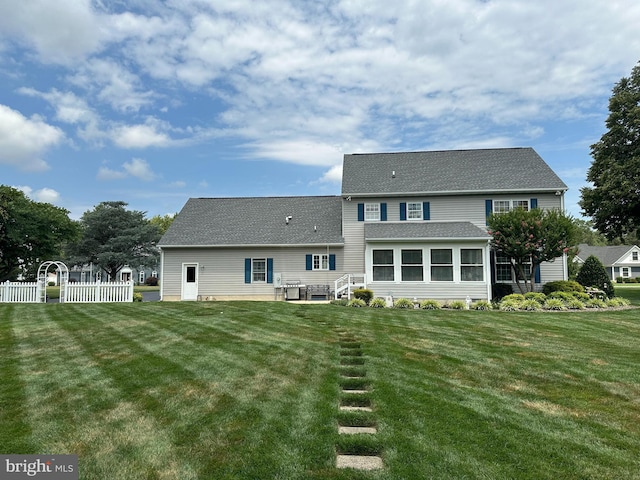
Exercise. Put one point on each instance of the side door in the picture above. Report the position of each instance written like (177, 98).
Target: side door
(189, 281)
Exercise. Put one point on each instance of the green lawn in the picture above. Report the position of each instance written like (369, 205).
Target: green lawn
(630, 291)
(245, 390)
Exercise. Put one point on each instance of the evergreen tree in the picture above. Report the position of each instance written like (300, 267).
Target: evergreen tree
(593, 274)
(614, 200)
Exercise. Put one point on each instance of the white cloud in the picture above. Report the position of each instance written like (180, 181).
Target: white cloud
(333, 175)
(139, 136)
(44, 195)
(137, 168)
(23, 141)
(299, 151)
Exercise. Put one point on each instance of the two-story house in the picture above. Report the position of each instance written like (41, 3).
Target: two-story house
(406, 225)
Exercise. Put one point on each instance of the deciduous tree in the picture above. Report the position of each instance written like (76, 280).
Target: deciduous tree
(530, 237)
(614, 200)
(113, 237)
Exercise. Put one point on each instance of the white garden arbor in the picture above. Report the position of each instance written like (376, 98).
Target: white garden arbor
(43, 271)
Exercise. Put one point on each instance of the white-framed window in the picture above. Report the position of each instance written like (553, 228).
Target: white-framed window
(320, 262)
(259, 270)
(98, 276)
(141, 277)
(625, 272)
(504, 206)
(371, 212)
(504, 272)
(411, 268)
(383, 265)
(471, 265)
(442, 265)
(414, 211)
(634, 256)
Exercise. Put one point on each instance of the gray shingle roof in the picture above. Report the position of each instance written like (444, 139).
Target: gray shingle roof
(608, 255)
(423, 231)
(441, 172)
(257, 221)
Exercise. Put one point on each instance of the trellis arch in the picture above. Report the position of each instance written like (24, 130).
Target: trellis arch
(42, 278)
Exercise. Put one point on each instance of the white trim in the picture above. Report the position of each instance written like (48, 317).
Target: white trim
(183, 296)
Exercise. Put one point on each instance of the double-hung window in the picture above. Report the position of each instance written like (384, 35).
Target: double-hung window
(371, 212)
(321, 262)
(471, 265)
(504, 206)
(504, 270)
(259, 270)
(414, 210)
(634, 256)
(412, 270)
(383, 266)
(442, 265)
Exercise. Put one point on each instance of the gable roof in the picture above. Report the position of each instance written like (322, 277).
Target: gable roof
(423, 231)
(256, 221)
(445, 172)
(608, 255)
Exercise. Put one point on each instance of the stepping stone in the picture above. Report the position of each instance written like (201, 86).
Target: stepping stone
(355, 409)
(356, 430)
(359, 392)
(359, 462)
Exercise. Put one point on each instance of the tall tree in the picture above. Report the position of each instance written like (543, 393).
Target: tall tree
(30, 233)
(530, 237)
(614, 200)
(113, 237)
(163, 222)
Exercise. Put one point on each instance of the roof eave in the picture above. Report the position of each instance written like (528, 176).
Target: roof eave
(457, 192)
(257, 245)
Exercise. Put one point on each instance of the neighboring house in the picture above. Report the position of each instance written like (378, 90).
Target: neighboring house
(619, 261)
(91, 273)
(406, 225)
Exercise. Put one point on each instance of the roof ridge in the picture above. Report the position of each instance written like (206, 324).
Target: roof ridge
(439, 151)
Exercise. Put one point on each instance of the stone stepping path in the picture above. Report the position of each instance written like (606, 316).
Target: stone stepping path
(352, 363)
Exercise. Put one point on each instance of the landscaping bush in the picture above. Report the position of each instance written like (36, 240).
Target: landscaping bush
(555, 303)
(537, 296)
(378, 302)
(137, 297)
(531, 305)
(356, 302)
(430, 305)
(575, 304)
(457, 305)
(481, 305)
(51, 284)
(403, 303)
(617, 302)
(595, 303)
(509, 305)
(583, 297)
(151, 281)
(619, 279)
(564, 296)
(562, 286)
(593, 274)
(515, 297)
(363, 294)
(500, 290)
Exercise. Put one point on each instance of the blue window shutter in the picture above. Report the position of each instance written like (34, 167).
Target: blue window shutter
(537, 275)
(332, 262)
(488, 206)
(426, 211)
(309, 262)
(383, 212)
(269, 270)
(361, 212)
(533, 203)
(247, 270)
(403, 211)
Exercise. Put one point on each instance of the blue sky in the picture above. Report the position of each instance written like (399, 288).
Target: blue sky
(153, 102)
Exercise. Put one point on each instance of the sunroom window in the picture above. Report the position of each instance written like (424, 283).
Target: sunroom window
(383, 265)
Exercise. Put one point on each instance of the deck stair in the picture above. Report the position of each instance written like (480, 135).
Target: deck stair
(349, 282)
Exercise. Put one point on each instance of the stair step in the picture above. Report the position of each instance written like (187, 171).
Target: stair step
(356, 430)
(349, 408)
(359, 462)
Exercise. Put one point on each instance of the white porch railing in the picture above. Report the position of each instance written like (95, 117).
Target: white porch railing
(17, 292)
(98, 292)
(348, 282)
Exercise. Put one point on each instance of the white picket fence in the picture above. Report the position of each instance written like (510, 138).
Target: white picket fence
(17, 292)
(71, 292)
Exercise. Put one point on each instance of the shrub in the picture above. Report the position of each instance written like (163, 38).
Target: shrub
(151, 281)
(137, 297)
(575, 304)
(481, 305)
(562, 286)
(595, 303)
(583, 297)
(457, 305)
(510, 305)
(554, 304)
(537, 296)
(356, 302)
(51, 284)
(619, 279)
(617, 302)
(531, 305)
(378, 302)
(500, 290)
(403, 303)
(593, 274)
(363, 294)
(516, 297)
(564, 296)
(430, 305)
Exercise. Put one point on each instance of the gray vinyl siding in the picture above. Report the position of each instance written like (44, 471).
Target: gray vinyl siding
(353, 232)
(221, 270)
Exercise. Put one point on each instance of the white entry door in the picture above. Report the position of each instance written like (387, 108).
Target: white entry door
(190, 281)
